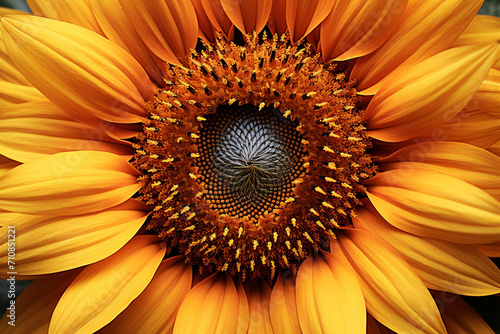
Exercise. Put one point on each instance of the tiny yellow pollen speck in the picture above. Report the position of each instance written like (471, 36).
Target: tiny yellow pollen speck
(319, 190)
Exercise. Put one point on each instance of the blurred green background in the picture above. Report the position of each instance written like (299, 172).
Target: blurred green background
(488, 307)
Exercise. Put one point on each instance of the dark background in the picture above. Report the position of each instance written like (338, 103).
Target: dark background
(488, 307)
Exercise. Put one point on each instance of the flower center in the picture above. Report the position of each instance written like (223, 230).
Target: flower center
(249, 159)
(252, 157)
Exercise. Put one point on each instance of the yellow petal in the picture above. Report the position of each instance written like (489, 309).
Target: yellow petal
(357, 28)
(302, 16)
(283, 306)
(427, 203)
(6, 165)
(54, 244)
(7, 217)
(218, 18)
(34, 307)
(329, 299)
(8, 71)
(487, 97)
(243, 310)
(13, 93)
(155, 309)
(477, 128)
(482, 29)
(249, 15)
(104, 289)
(69, 183)
(277, 21)
(427, 28)
(458, 316)
(168, 28)
(117, 28)
(427, 95)
(76, 12)
(10, 11)
(92, 79)
(36, 129)
(212, 306)
(466, 162)
(394, 294)
(441, 265)
(259, 296)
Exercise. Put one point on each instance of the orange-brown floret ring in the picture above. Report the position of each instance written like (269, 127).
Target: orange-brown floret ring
(266, 74)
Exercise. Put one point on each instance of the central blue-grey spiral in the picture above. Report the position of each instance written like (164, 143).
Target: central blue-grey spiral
(249, 158)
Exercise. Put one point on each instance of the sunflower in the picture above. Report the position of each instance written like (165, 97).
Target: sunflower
(228, 166)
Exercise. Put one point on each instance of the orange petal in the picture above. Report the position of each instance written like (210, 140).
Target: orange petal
(483, 29)
(425, 203)
(168, 28)
(326, 286)
(314, 38)
(218, 17)
(441, 265)
(371, 325)
(92, 79)
(283, 306)
(55, 244)
(249, 15)
(259, 296)
(106, 288)
(394, 294)
(302, 16)
(206, 30)
(13, 93)
(458, 316)
(466, 162)
(495, 149)
(357, 28)
(277, 21)
(69, 183)
(487, 97)
(76, 12)
(117, 28)
(212, 306)
(427, 28)
(36, 129)
(155, 309)
(243, 310)
(33, 308)
(427, 95)
(490, 250)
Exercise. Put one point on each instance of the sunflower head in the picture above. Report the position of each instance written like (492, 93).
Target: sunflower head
(252, 156)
